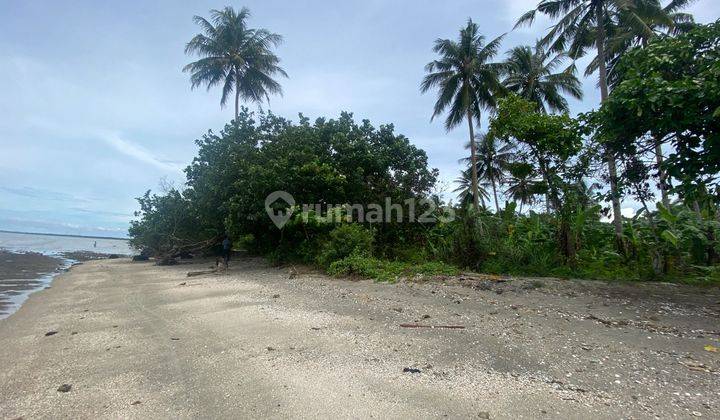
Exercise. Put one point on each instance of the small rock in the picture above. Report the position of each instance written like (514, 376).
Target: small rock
(426, 316)
(271, 349)
(174, 338)
(483, 415)
(49, 333)
(411, 370)
(399, 310)
(183, 283)
(697, 414)
(276, 296)
(138, 402)
(64, 388)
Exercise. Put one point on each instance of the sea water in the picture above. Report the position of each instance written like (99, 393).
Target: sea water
(14, 291)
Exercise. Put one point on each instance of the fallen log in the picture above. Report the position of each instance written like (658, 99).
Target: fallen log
(451, 327)
(200, 273)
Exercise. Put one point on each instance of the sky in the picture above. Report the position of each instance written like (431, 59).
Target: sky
(95, 109)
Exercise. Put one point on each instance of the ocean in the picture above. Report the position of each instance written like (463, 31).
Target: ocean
(29, 262)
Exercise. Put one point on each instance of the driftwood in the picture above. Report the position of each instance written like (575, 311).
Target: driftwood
(200, 273)
(451, 327)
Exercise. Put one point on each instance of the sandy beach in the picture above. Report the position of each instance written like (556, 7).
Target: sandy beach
(134, 340)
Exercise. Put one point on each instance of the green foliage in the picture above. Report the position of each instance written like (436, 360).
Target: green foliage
(388, 271)
(235, 56)
(671, 89)
(344, 241)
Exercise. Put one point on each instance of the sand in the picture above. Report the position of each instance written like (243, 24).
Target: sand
(134, 340)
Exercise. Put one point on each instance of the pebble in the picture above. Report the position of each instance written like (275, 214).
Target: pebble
(64, 388)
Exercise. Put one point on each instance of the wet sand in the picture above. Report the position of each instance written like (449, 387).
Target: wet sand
(134, 340)
(21, 273)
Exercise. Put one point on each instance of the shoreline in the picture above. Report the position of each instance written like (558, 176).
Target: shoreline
(26, 272)
(132, 339)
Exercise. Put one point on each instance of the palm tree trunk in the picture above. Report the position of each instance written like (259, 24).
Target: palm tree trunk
(662, 173)
(473, 163)
(612, 164)
(497, 207)
(237, 102)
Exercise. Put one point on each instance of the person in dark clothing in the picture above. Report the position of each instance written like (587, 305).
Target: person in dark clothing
(226, 249)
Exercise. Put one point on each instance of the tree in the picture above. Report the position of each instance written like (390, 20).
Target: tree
(467, 82)
(551, 144)
(465, 191)
(523, 185)
(631, 33)
(582, 25)
(236, 56)
(530, 74)
(671, 90)
(492, 159)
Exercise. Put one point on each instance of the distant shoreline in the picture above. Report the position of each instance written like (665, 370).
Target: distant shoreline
(64, 235)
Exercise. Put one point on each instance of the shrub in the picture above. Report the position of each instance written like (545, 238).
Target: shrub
(344, 241)
(390, 271)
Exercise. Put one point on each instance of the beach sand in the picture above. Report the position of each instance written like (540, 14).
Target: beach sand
(136, 340)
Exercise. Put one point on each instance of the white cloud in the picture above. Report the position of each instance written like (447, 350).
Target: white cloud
(140, 153)
(627, 212)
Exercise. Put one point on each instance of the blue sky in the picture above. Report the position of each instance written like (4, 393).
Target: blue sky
(95, 108)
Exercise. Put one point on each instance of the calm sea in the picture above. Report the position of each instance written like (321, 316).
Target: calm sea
(54, 245)
(21, 275)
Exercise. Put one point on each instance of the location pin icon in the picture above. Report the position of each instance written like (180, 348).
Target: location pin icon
(279, 218)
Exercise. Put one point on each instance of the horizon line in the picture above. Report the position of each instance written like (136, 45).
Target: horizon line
(65, 235)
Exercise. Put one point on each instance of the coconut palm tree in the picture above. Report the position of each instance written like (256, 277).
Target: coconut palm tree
(631, 32)
(467, 82)
(582, 25)
(465, 191)
(523, 184)
(235, 56)
(656, 21)
(530, 73)
(493, 158)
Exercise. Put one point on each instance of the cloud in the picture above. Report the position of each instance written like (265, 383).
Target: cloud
(44, 194)
(627, 212)
(139, 153)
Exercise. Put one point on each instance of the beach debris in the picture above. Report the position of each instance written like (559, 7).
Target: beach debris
(183, 284)
(167, 261)
(50, 333)
(276, 296)
(426, 316)
(200, 273)
(411, 370)
(695, 366)
(292, 273)
(398, 310)
(484, 415)
(136, 402)
(315, 328)
(271, 349)
(174, 338)
(451, 327)
(140, 258)
(711, 348)
(64, 388)
(73, 333)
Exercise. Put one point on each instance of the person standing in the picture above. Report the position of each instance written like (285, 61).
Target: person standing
(226, 249)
